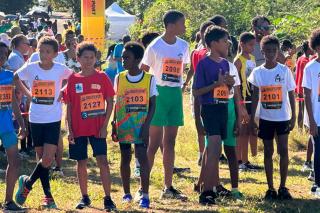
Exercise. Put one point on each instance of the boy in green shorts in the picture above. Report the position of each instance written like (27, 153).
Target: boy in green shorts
(166, 58)
(135, 105)
(8, 137)
(89, 97)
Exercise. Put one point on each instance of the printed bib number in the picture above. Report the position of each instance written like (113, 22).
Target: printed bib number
(271, 97)
(92, 105)
(136, 100)
(43, 92)
(221, 95)
(171, 70)
(5, 96)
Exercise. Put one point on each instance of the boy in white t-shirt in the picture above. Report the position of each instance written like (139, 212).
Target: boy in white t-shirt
(45, 78)
(273, 90)
(311, 86)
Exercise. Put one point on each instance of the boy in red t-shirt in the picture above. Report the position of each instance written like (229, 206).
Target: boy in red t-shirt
(89, 97)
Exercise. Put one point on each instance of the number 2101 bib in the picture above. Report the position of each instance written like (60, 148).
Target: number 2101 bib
(271, 97)
(171, 70)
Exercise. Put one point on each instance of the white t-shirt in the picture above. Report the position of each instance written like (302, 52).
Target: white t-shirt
(233, 71)
(137, 78)
(311, 80)
(274, 85)
(166, 61)
(45, 113)
(36, 57)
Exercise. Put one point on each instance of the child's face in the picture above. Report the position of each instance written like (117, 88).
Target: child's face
(3, 55)
(292, 51)
(248, 47)
(47, 53)
(59, 38)
(180, 26)
(128, 60)
(221, 46)
(270, 52)
(87, 59)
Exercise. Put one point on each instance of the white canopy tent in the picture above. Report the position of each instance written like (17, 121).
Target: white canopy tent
(119, 20)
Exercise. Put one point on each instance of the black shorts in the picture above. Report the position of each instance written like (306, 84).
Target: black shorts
(267, 129)
(47, 133)
(215, 119)
(79, 150)
(126, 146)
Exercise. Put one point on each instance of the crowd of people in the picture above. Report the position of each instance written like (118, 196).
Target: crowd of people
(242, 89)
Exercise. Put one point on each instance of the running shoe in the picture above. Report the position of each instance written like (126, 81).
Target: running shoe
(271, 194)
(144, 203)
(11, 206)
(223, 192)
(172, 193)
(84, 202)
(284, 194)
(109, 204)
(127, 198)
(48, 203)
(307, 166)
(207, 198)
(22, 192)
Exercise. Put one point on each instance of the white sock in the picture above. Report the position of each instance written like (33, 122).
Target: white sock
(214, 189)
(145, 195)
(137, 162)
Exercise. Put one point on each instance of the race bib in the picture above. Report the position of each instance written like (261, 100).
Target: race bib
(171, 70)
(136, 100)
(92, 105)
(6, 96)
(271, 97)
(221, 95)
(43, 92)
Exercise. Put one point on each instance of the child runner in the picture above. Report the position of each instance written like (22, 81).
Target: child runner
(89, 97)
(212, 84)
(166, 58)
(135, 105)
(8, 137)
(45, 78)
(273, 90)
(245, 63)
(310, 84)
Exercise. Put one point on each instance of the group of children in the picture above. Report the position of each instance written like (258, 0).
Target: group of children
(233, 103)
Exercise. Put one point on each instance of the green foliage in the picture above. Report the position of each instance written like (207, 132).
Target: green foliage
(15, 6)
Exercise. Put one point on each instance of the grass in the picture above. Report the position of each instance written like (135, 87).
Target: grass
(66, 191)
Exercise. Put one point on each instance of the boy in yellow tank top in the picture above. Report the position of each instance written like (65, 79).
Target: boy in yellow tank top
(245, 63)
(136, 93)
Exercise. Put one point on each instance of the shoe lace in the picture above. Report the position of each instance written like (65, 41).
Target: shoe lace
(25, 192)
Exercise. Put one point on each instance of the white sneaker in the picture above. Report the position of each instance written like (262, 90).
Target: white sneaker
(138, 196)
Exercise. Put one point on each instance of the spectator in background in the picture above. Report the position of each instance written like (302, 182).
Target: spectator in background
(50, 10)
(5, 39)
(55, 27)
(62, 47)
(20, 46)
(117, 53)
(80, 38)
(111, 70)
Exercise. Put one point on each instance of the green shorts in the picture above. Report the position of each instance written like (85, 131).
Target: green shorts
(169, 109)
(231, 138)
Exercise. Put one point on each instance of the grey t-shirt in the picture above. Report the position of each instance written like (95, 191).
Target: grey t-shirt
(258, 55)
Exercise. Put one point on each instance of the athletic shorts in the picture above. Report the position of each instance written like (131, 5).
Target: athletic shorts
(47, 133)
(215, 117)
(79, 150)
(267, 129)
(8, 139)
(126, 146)
(169, 109)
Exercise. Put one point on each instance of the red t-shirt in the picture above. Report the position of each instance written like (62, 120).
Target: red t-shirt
(62, 48)
(197, 56)
(300, 65)
(86, 96)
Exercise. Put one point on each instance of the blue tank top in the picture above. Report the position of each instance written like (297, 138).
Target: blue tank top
(6, 124)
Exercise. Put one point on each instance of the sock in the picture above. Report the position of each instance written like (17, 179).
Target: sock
(200, 154)
(44, 177)
(35, 175)
(137, 162)
(145, 195)
(214, 189)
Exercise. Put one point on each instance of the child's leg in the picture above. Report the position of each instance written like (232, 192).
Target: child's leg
(198, 123)
(284, 158)
(300, 111)
(268, 163)
(203, 162)
(59, 153)
(242, 144)
(309, 149)
(233, 165)
(82, 176)
(316, 159)
(213, 152)
(169, 141)
(104, 173)
(141, 154)
(125, 166)
(253, 145)
(156, 136)
(13, 164)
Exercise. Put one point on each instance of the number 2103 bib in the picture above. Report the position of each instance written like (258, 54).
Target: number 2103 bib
(171, 70)
(136, 100)
(271, 96)
(5, 96)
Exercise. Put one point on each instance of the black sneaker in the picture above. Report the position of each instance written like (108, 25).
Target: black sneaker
(284, 194)
(252, 167)
(271, 194)
(196, 188)
(207, 198)
(311, 176)
(109, 204)
(223, 159)
(223, 192)
(314, 188)
(12, 207)
(84, 202)
(177, 170)
(172, 193)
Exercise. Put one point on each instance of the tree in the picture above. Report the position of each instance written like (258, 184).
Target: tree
(15, 6)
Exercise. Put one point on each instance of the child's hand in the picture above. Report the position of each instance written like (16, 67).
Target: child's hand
(254, 128)
(71, 138)
(292, 123)
(229, 80)
(60, 96)
(221, 78)
(144, 132)
(313, 128)
(103, 132)
(23, 132)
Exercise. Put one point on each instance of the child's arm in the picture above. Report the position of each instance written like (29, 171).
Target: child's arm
(204, 90)
(17, 114)
(144, 132)
(19, 84)
(103, 130)
(293, 109)
(69, 120)
(241, 110)
(307, 98)
(255, 101)
(189, 75)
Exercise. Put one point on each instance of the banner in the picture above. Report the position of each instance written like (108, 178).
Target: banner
(93, 22)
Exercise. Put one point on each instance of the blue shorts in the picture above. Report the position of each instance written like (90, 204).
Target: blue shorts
(8, 139)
